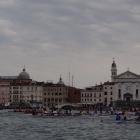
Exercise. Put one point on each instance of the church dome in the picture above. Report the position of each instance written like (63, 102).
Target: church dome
(60, 81)
(24, 75)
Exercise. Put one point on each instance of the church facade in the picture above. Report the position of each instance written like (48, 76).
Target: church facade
(127, 88)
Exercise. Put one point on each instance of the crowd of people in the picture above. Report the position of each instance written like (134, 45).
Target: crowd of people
(119, 112)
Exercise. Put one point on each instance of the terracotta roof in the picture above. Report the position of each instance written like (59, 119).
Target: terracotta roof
(109, 83)
(53, 85)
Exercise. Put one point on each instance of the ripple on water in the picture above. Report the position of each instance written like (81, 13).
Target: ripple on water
(16, 126)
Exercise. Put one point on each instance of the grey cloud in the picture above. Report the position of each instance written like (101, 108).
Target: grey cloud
(52, 34)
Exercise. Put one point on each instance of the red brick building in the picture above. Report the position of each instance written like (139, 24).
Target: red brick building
(74, 95)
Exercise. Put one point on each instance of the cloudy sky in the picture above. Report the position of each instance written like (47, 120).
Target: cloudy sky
(55, 37)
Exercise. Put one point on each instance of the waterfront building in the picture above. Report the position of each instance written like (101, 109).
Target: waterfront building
(4, 93)
(74, 95)
(55, 94)
(16, 84)
(122, 91)
(32, 93)
(15, 92)
(92, 95)
(108, 93)
(127, 87)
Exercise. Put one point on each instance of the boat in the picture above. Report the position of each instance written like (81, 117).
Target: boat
(1, 106)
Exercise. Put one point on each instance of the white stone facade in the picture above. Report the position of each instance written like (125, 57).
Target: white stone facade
(108, 93)
(32, 92)
(127, 86)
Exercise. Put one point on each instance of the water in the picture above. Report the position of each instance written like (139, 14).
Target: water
(18, 126)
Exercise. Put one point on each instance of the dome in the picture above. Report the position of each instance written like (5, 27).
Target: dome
(60, 81)
(113, 64)
(24, 75)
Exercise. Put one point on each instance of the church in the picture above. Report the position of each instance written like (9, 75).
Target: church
(126, 86)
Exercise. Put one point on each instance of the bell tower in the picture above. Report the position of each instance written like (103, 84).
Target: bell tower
(113, 70)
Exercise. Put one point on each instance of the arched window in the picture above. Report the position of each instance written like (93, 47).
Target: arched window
(137, 93)
(119, 93)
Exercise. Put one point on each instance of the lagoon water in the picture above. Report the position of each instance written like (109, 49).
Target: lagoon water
(18, 126)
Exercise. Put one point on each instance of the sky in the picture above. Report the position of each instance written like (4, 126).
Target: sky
(81, 37)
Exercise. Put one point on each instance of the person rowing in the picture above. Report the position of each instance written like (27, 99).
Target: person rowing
(118, 117)
(33, 111)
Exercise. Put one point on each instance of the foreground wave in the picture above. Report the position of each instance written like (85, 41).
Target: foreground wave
(17, 126)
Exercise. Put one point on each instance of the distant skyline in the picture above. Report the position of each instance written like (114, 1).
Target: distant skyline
(54, 37)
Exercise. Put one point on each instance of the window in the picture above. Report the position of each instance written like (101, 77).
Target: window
(105, 93)
(119, 94)
(105, 99)
(111, 93)
(60, 100)
(136, 93)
